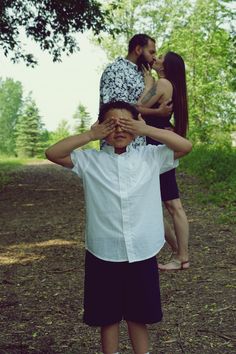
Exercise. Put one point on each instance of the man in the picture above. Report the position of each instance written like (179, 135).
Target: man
(123, 79)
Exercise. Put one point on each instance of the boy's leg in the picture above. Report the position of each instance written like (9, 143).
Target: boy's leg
(138, 334)
(110, 338)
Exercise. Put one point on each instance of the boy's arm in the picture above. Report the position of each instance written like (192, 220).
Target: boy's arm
(175, 142)
(60, 152)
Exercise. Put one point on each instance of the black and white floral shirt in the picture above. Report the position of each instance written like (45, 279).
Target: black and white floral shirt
(121, 80)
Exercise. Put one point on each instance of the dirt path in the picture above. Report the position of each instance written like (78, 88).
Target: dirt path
(41, 278)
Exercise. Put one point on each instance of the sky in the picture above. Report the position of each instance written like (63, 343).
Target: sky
(58, 88)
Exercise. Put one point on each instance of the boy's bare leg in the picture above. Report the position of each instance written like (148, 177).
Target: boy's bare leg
(110, 338)
(138, 334)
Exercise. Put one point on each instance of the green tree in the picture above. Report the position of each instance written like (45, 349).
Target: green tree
(29, 131)
(206, 46)
(62, 131)
(83, 123)
(82, 119)
(52, 24)
(10, 104)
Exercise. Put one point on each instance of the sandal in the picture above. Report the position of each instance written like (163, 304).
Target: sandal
(174, 265)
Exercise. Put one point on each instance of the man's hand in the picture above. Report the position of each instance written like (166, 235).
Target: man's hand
(166, 108)
(132, 126)
(99, 131)
(147, 76)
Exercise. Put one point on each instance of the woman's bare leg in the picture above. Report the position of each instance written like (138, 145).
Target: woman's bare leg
(170, 237)
(181, 228)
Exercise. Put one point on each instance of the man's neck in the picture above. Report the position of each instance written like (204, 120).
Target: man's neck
(132, 58)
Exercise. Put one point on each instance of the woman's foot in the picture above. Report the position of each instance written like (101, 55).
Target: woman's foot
(174, 264)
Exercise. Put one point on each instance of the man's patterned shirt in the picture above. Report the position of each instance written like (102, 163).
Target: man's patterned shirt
(122, 81)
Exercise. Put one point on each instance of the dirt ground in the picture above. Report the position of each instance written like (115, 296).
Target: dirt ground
(41, 277)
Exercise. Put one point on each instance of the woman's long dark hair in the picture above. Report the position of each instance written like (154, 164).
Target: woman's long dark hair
(174, 70)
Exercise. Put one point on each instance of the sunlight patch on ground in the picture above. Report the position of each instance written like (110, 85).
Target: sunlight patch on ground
(22, 258)
(19, 253)
(43, 244)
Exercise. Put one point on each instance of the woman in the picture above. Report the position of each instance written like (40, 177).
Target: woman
(171, 85)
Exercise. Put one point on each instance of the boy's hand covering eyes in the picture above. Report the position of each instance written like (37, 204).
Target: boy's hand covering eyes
(132, 126)
(100, 131)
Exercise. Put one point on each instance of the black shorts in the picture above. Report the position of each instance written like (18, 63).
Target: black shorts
(168, 184)
(120, 290)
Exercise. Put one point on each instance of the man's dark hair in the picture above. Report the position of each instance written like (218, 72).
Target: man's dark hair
(139, 39)
(117, 105)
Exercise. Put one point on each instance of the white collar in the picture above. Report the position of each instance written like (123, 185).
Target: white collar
(109, 149)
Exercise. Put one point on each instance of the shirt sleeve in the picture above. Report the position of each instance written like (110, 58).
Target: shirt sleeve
(80, 161)
(164, 156)
(113, 85)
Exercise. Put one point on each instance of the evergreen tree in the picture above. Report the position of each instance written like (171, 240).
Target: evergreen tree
(83, 123)
(82, 119)
(10, 105)
(29, 130)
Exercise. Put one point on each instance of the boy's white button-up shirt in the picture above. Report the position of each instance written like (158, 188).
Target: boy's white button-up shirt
(124, 220)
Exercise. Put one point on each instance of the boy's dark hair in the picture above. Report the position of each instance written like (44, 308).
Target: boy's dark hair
(139, 39)
(117, 105)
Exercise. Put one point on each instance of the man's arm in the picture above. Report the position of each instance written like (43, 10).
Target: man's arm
(164, 110)
(59, 153)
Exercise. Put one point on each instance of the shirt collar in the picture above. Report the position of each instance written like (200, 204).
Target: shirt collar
(129, 62)
(109, 149)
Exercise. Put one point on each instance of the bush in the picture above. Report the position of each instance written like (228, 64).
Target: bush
(215, 165)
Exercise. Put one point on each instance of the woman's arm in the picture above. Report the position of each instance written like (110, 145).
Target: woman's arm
(60, 152)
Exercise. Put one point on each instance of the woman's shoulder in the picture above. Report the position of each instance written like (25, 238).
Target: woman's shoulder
(165, 86)
(163, 81)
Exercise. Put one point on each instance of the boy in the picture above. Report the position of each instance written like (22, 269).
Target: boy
(124, 223)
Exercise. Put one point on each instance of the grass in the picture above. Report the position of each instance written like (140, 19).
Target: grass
(8, 166)
(215, 167)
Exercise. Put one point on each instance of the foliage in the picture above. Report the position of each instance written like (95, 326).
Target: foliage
(10, 105)
(29, 131)
(215, 165)
(203, 33)
(207, 56)
(52, 24)
(7, 167)
(82, 119)
(82, 123)
(62, 131)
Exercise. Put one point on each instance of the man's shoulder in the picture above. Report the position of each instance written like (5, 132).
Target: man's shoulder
(119, 63)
